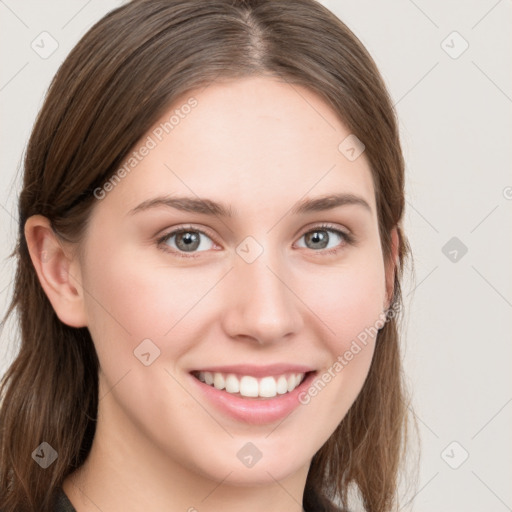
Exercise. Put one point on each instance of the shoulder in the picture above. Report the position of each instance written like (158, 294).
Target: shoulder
(62, 503)
(316, 502)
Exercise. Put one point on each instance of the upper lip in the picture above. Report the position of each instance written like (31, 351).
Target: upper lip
(257, 371)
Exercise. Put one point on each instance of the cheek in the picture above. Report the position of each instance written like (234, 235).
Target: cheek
(131, 298)
(348, 299)
(349, 303)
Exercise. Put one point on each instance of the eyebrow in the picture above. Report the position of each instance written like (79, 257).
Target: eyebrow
(209, 207)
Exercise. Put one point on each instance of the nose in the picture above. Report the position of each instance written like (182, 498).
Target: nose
(260, 301)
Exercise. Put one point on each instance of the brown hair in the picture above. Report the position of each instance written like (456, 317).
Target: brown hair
(117, 81)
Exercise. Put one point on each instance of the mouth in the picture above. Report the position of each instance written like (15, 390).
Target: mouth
(254, 395)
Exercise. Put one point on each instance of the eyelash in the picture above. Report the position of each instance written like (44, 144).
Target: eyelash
(347, 238)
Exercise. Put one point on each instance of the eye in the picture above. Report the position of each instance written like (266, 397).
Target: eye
(186, 240)
(325, 238)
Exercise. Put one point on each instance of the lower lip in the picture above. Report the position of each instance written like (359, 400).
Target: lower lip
(254, 411)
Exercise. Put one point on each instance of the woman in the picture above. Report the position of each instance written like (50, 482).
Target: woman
(209, 264)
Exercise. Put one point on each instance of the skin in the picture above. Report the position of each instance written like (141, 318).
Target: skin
(258, 146)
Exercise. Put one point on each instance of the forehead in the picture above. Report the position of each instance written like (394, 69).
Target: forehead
(249, 142)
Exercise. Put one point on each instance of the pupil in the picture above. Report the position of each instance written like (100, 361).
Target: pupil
(318, 238)
(189, 239)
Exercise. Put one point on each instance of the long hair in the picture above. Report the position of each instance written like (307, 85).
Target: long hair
(118, 80)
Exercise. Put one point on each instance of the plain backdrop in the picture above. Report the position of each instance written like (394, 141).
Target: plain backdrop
(447, 67)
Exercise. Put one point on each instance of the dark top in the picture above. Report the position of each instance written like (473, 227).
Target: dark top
(62, 504)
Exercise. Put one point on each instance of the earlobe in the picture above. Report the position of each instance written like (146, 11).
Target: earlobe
(57, 270)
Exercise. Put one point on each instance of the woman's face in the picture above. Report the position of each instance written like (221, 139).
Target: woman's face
(266, 283)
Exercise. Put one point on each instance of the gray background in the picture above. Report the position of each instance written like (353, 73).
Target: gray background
(456, 125)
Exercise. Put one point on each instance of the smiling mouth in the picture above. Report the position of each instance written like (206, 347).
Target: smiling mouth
(248, 386)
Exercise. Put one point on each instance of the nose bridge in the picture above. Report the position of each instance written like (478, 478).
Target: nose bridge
(261, 305)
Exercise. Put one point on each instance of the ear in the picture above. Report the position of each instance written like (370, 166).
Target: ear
(57, 269)
(391, 265)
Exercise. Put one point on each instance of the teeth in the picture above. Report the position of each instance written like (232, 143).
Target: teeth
(291, 382)
(282, 385)
(218, 381)
(266, 387)
(249, 386)
(232, 384)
